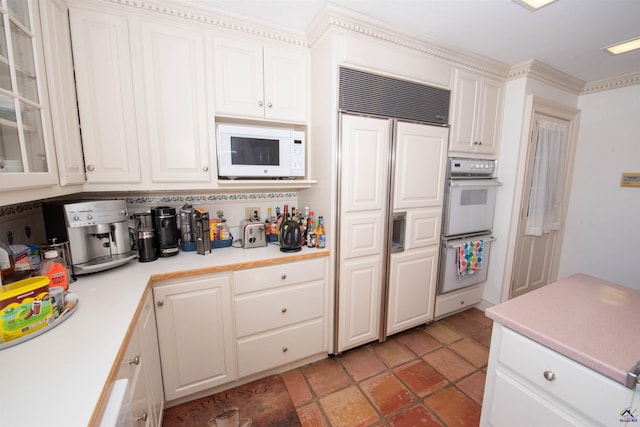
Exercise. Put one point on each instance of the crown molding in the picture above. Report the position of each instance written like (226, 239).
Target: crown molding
(614, 83)
(215, 17)
(334, 18)
(543, 72)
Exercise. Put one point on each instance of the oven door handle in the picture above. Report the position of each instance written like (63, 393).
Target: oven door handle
(459, 242)
(474, 183)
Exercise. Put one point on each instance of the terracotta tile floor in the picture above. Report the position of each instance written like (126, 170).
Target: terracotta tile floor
(431, 375)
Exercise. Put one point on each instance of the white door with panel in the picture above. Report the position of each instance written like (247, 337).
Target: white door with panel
(173, 71)
(365, 162)
(104, 85)
(195, 332)
(476, 114)
(259, 81)
(536, 256)
(418, 188)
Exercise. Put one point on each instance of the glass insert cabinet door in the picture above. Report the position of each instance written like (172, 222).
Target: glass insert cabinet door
(22, 107)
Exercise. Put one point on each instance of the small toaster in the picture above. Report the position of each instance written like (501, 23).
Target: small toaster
(253, 234)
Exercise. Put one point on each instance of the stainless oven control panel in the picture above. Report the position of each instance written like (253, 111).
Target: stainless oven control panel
(471, 168)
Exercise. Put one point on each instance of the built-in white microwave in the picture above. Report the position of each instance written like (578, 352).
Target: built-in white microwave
(259, 152)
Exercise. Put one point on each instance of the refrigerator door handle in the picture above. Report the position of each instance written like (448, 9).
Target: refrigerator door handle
(399, 221)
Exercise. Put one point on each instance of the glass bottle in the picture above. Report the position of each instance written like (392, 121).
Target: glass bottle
(321, 235)
(311, 231)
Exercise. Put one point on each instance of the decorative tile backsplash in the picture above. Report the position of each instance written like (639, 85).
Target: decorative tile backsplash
(23, 223)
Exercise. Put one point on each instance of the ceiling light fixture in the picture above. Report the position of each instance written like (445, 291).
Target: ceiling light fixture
(534, 5)
(626, 46)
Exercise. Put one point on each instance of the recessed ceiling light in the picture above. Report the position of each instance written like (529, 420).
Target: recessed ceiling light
(534, 5)
(623, 47)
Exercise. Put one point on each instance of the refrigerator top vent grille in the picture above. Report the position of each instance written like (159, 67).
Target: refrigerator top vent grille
(366, 93)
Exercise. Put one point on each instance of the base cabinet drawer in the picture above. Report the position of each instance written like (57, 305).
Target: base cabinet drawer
(259, 312)
(261, 352)
(273, 276)
(457, 300)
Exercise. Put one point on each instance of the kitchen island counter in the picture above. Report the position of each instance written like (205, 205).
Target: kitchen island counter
(588, 320)
(63, 377)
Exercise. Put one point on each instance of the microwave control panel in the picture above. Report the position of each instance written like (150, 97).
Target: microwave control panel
(297, 153)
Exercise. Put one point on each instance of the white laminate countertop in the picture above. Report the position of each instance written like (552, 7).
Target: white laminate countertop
(58, 378)
(592, 321)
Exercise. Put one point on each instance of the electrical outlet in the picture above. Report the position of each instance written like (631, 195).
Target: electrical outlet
(250, 212)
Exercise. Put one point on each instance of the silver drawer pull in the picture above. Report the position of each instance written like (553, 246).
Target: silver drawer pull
(284, 309)
(135, 361)
(142, 417)
(283, 277)
(549, 375)
(284, 349)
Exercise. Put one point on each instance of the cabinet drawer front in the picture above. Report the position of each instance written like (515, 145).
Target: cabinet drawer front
(280, 347)
(457, 300)
(261, 278)
(284, 306)
(573, 384)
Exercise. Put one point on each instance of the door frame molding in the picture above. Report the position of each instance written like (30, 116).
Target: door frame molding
(538, 105)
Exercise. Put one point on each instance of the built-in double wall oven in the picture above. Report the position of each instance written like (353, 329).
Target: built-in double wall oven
(470, 197)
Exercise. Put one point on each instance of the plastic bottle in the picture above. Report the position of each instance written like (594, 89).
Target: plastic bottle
(55, 269)
(7, 263)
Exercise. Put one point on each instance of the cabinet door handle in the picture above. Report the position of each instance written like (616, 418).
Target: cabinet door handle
(284, 309)
(283, 277)
(260, 103)
(160, 303)
(549, 375)
(462, 302)
(142, 417)
(479, 142)
(269, 105)
(135, 361)
(205, 168)
(90, 168)
(284, 349)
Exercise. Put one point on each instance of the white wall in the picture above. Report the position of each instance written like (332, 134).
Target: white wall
(602, 234)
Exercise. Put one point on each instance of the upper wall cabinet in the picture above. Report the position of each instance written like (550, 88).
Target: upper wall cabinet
(26, 144)
(62, 92)
(257, 81)
(105, 96)
(477, 108)
(170, 71)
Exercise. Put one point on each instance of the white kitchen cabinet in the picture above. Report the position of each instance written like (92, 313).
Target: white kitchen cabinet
(27, 157)
(477, 112)
(280, 314)
(62, 92)
(141, 366)
(259, 81)
(195, 333)
(171, 73)
(530, 384)
(104, 85)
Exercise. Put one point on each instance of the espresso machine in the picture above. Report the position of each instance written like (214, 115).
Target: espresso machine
(97, 232)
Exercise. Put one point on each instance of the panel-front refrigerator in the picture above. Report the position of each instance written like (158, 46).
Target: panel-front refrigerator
(391, 184)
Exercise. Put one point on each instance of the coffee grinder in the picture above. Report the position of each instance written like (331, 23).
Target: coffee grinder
(165, 225)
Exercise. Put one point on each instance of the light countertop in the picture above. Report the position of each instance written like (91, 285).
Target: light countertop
(62, 376)
(592, 321)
